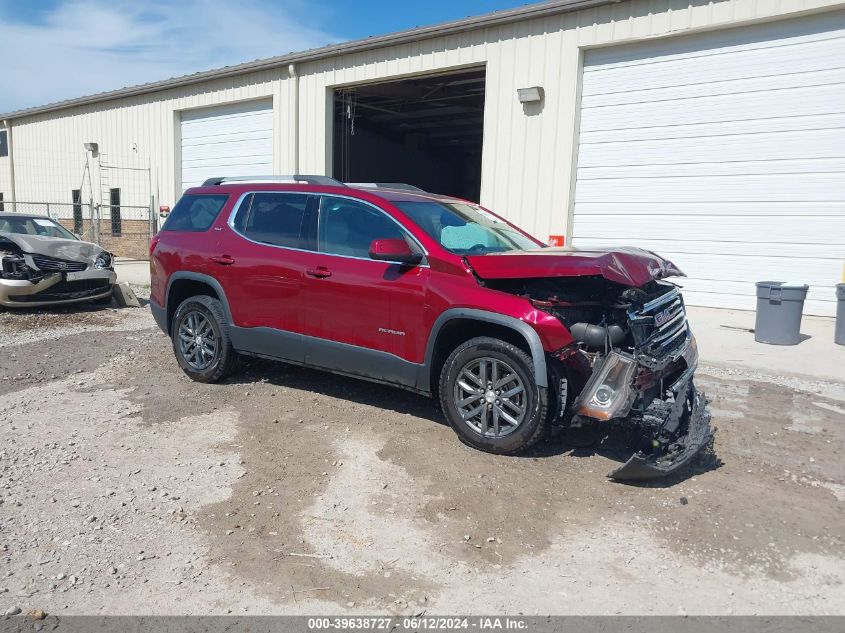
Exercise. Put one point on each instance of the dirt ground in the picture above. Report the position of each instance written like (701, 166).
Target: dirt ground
(125, 488)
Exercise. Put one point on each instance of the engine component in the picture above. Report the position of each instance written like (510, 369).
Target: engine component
(597, 336)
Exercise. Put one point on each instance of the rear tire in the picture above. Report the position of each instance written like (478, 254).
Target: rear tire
(201, 341)
(490, 397)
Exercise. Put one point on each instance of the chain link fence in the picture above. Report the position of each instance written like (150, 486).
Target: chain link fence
(124, 230)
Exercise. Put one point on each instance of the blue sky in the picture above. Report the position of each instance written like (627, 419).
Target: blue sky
(59, 49)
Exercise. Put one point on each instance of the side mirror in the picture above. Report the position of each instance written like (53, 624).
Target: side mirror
(394, 250)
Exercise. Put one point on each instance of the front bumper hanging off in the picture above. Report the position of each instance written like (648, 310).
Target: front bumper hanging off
(670, 431)
(689, 417)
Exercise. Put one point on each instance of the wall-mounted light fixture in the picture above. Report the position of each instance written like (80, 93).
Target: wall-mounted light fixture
(93, 148)
(534, 94)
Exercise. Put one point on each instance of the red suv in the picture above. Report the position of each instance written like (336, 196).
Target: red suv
(436, 295)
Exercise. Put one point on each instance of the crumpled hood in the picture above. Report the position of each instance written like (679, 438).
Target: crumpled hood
(627, 266)
(71, 250)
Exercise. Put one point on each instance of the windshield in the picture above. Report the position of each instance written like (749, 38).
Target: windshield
(465, 229)
(28, 225)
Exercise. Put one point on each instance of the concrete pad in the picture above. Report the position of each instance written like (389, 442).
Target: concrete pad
(133, 271)
(124, 296)
(724, 338)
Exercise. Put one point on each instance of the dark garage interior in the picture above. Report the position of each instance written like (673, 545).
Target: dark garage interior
(425, 132)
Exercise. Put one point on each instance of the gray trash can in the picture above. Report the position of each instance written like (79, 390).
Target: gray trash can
(839, 337)
(779, 308)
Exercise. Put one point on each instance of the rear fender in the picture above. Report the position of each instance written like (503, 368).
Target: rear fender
(191, 276)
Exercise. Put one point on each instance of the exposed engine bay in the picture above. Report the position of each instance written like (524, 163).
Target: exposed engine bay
(631, 365)
(37, 271)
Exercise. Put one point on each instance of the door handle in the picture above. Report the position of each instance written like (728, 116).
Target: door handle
(223, 260)
(321, 272)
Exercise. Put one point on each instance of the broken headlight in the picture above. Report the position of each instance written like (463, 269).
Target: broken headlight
(104, 260)
(12, 266)
(609, 393)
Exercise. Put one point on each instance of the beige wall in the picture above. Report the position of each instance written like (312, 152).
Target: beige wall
(5, 176)
(527, 158)
(137, 132)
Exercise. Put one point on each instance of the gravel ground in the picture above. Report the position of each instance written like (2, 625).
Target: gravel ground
(125, 488)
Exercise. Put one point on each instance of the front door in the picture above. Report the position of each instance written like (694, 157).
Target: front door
(364, 315)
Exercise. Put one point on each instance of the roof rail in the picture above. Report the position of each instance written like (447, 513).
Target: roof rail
(401, 186)
(294, 179)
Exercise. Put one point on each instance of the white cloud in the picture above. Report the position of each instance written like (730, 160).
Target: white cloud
(86, 46)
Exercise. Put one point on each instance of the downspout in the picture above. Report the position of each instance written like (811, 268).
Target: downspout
(8, 125)
(295, 77)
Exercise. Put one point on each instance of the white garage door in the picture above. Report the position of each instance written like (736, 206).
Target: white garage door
(724, 152)
(234, 140)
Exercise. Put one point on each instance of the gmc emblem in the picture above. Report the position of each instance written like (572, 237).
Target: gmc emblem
(661, 317)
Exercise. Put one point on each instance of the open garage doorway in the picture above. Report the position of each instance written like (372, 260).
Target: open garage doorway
(425, 132)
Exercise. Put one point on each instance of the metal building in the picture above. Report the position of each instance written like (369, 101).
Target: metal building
(712, 132)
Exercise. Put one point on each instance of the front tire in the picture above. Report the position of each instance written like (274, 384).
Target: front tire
(490, 397)
(201, 340)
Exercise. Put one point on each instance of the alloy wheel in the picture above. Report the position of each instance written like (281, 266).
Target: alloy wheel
(490, 397)
(197, 340)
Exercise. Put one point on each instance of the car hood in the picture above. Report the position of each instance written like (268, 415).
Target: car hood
(72, 250)
(627, 266)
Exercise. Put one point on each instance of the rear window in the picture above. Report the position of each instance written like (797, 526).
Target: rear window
(195, 212)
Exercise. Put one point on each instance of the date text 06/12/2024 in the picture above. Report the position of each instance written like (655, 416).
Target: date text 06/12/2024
(421, 623)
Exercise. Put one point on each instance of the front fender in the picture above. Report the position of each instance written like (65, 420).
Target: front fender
(530, 335)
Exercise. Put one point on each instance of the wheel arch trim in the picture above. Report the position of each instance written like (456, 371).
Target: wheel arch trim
(202, 278)
(538, 354)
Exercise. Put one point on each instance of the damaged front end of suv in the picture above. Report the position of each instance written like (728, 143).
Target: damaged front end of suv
(38, 271)
(633, 356)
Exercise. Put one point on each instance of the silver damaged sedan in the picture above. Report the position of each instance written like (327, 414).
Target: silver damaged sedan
(42, 263)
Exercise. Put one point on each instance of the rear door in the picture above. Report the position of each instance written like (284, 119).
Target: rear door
(186, 241)
(258, 260)
(365, 315)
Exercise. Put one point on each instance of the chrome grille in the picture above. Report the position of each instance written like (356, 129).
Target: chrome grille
(56, 265)
(659, 327)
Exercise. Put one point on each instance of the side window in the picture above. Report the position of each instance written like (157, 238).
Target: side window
(76, 196)
(195, 213)
(114, 207)
(347, 227)
(275, 218)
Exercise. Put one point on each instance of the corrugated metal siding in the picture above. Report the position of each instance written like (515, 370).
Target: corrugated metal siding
(5, 178)
(723, 151)
(137, 132)
(527, 158)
